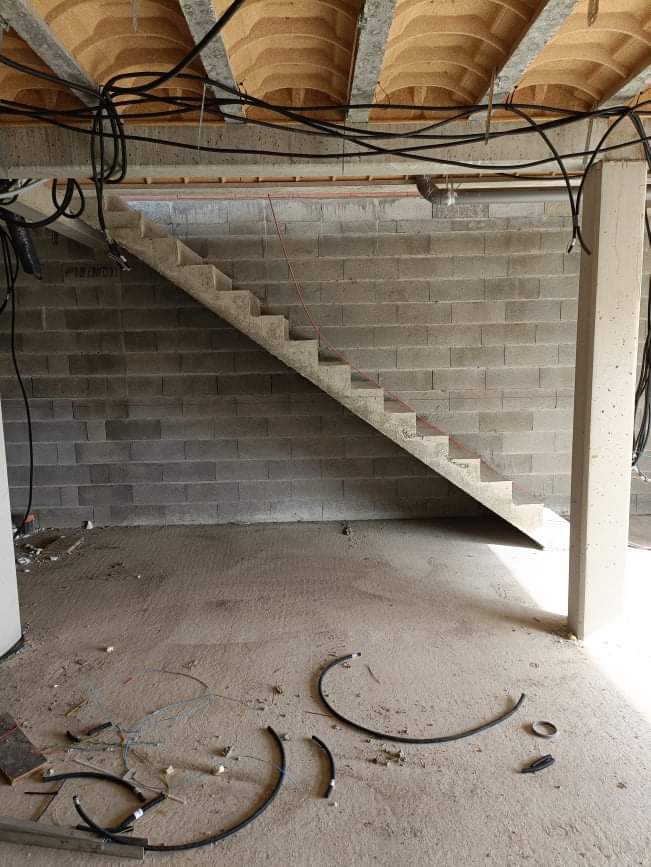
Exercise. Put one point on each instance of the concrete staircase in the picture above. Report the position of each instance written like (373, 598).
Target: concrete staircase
(152, 244)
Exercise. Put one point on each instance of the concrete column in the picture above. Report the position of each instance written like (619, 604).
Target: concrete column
(10, 630)
(606, 362)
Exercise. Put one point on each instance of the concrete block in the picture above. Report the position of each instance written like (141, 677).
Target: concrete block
(205, 450)
(158, 495)
(427, 357)
(456, 290)
(152, 362)
(459, 378)
(184, 384)
(241, 470)
(317, 447)
(478, 311)
(483, 356)
(370, 490)
(148, 320)
(505, 421)
(55, 386)
(56, 431)
(65, 518)
(268, 448)
(556, 332)
(135, 473)
(371, 446)
(480, 266)
(198, 211)
(316, 489)
(90, 320)
(498, 334)
(567, 354)
(100, 495)
(161, 451)
(426, 268)
(414, 380)
(212, 492)
(516, 377)
(569, 310)
(102, 452)
(400, 335)
(268, 490)
(454, 335)
(431, 312)
(189, 471)
(527, 265)
(136, 429)
(400, 290)
(295, 469)
(531, 355)
(553, 420)
(346, 468)
(347, 246)
(528, 442)
(433, 487)
(512, 288)
(370, 269)
(399, 467)
(533, 311)
(557, 377)
(565, 287)
(369, 314)
(59, 475)
(191, 513)
(401, 245)
(134, 516)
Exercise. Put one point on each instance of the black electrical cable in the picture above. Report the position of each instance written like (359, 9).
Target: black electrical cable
(643, 389)
(97, 775)
(213, 838)
(331, 763)
(219, 25)
(442, 739)
(127, 823)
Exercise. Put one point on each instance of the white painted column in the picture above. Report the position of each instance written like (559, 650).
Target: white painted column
(606, 362)
(10, 629)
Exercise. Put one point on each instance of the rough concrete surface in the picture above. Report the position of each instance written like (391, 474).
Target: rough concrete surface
(451, 637)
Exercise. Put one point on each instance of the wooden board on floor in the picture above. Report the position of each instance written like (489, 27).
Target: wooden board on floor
(54, 837)
(18, 755)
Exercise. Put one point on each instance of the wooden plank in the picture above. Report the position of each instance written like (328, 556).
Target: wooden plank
(18, 755)
(27, 833)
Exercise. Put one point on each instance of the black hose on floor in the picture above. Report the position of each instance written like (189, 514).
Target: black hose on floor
(205, 841)
(442, 739)
(331, 761)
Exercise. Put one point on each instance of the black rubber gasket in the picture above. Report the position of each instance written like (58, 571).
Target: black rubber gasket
(442, 739)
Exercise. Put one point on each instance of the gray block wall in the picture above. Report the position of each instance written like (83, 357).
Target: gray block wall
(149, 409)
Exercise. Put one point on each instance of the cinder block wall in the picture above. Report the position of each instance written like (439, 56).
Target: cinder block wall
(468, 312)
(148, 409)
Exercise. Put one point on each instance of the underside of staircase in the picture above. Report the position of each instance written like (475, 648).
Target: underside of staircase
(175, 261)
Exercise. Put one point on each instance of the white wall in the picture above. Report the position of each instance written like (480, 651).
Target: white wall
(10, 630)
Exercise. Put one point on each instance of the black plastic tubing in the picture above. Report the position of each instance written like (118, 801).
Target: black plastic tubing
(204, 841)
(442, 739)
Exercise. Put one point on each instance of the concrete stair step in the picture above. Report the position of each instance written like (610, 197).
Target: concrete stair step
(241, 308)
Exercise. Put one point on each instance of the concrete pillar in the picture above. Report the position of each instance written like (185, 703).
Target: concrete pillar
(10, 630)
(606, 362)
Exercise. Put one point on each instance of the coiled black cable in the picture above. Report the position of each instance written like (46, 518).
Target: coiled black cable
(204, 841)
(441, 739)
(331, 763)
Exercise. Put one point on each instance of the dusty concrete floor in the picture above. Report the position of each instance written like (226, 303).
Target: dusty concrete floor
(445, 626)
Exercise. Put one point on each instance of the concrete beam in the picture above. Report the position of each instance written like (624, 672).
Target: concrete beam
(29, 25)
(54, 152)
(372, 34)
(606, 364)
(37, 203)
(10, 629)
(201, 15)
(551, 17)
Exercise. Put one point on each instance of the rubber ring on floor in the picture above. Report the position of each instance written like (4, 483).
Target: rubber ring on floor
(544, 729)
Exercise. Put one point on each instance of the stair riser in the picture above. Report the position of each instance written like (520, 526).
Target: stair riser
(240, 309)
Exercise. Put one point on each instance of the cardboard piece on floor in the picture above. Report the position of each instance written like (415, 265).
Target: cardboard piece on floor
(18, 755)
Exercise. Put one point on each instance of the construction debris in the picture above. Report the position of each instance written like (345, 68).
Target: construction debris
(18, 755)
(55, 837)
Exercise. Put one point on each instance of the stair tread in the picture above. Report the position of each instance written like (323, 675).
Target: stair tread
(410, 430)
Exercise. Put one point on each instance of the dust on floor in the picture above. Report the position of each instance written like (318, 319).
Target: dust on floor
(246, 616)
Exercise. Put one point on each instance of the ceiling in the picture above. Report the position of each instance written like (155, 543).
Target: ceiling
(313, 52)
